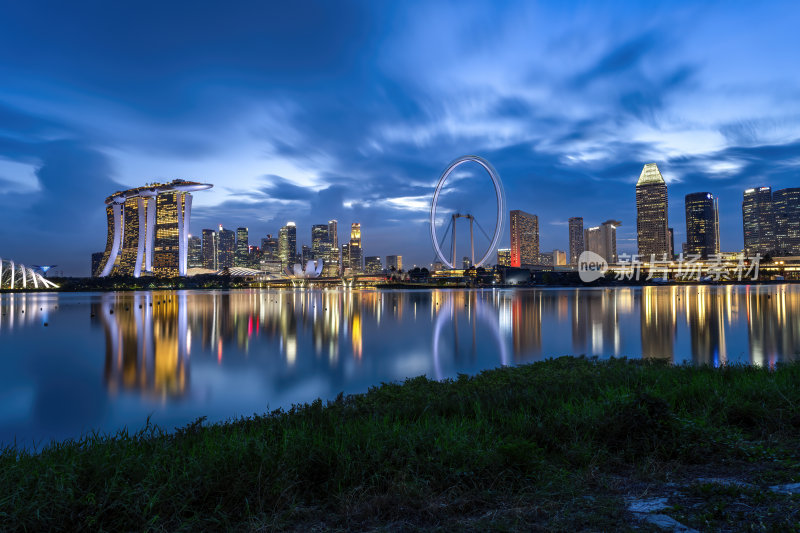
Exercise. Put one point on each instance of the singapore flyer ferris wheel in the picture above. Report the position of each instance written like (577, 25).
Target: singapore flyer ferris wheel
(498, 224)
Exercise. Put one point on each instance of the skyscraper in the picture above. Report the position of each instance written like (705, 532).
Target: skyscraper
(576, 243)
(269, 248)
(148, 230)
(226, 247)
(395, 261)
(210, 249)
(287, 245)
(702, 224)
(372, 264)
(602, 240)
(758, 221)
(559, 258)
(651, 213)
(354, 250)
(195, 259)
(332, 265)
(524, 238)
(504, 256)
(242, 257)
(786, 203)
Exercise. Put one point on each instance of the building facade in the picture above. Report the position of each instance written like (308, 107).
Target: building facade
(372, 264)
(702, 224)
(210, 249)
(524, 238)
(242, 256)
(576, 242)
(786, 203)
(148, 230)
(602, 240)
(195, 259)
(226, 248)
(504, 257)
(651, 214)
(758, 221)
(287, 245)
(395, 261)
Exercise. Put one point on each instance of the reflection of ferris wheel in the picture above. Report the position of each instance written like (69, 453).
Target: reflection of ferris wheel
(498, 227)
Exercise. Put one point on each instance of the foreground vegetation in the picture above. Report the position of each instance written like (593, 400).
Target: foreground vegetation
(557, 445)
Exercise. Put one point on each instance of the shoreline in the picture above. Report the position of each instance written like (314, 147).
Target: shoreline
(564, 444)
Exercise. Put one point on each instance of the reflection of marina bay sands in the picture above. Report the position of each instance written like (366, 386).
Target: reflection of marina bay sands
(148, 230)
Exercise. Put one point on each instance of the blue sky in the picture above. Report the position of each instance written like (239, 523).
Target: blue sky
(308, 111)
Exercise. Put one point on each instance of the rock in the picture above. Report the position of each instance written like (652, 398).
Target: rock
(791, 488)
(647, 505)
(666, 522)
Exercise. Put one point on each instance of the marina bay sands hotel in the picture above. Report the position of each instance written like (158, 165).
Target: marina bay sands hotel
(148, 230)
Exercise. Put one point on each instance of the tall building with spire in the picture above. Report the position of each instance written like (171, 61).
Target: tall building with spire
(576, 242)
(702, 224)
(651, 214)
(758, 221)
(524, 229)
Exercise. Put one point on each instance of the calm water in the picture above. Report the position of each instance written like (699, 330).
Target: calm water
(107, 361)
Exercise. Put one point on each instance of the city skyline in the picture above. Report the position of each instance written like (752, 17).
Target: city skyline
(351, 111)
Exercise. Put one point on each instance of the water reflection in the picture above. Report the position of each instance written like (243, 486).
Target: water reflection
(72, 363)
(149, 336)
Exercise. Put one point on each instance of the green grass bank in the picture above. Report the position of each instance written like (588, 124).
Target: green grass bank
(562, 444)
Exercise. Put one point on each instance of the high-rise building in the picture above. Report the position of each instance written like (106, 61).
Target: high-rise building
(287, 245)
(226, 247)
(354, 250)
(786, 203)
(702, 224)
(306, 255)
(269, 248)
(319, 237)
(372, 264)
(97, 258)
(242, 256)
(576, 244)
(559, 258)
(331, 267)
(148, 230)
(210, 249)
(758, 221)
(395, 261)
(524, 238)
(602, 240)
(504, 256)
(651, 214)
(195, 259)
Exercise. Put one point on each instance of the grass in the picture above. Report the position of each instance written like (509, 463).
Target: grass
(556, 445)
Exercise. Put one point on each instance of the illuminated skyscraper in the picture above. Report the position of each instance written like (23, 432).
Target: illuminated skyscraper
(559, 258)
(372, 264)
(242, 257)
(524, 238)
(504, 256)
(354, 250)
(787, 221)
(269, 248)
(395, 261)
(758, 221)
(210, 249)
(702, 224)
(287, 245)
(226, 247)
(332, 265)
(602, 240)
(148, 230)
(651, 213)
(576, 243)
(195, 258)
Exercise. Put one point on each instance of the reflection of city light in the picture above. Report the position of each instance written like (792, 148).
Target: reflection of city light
(291, 350)
(356, 335)
(219, 350)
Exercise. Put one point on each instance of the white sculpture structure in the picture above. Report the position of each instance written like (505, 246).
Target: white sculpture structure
(313, 270)
(14, 276)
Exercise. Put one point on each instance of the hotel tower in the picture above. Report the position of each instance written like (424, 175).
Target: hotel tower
(148, 230)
